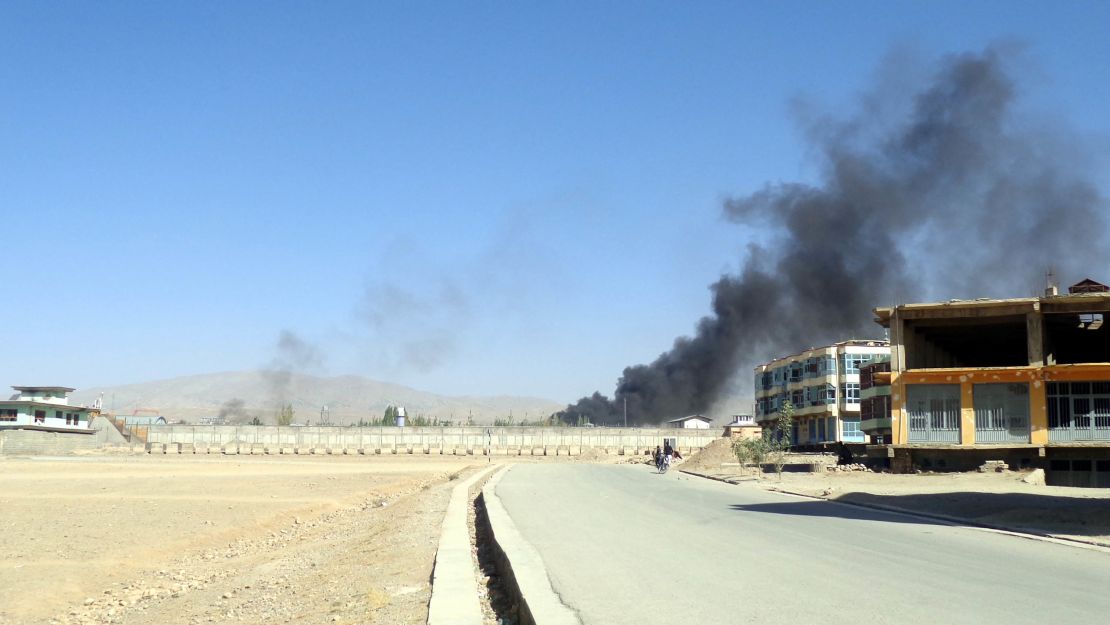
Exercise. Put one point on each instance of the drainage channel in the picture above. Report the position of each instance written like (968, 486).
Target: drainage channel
(497, 591)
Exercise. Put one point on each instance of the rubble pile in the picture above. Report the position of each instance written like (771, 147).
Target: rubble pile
(997, 466)
(843, 468)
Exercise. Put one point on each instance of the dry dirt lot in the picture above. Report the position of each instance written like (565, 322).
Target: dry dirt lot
(210, 539)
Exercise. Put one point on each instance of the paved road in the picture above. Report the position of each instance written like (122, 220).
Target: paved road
(624, 545)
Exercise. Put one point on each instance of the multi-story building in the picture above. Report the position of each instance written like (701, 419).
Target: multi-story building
(823, 384)
(1025, 380)
(874, 394)
(43, 407)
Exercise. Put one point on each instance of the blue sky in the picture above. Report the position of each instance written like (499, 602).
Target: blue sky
(468, 198)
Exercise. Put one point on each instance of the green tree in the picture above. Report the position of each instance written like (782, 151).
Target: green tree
(777, 437)
(750, 451)
(285, 415)
(390, 416)
(256, 421)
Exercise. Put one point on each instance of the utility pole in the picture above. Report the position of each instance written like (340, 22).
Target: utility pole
(625, 412)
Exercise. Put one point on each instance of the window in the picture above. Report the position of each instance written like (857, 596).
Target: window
(40, 416)
(827, 394)
(8, 414)
(813, 395)
(852, 362)
(813, 367)
(1001, 412)
(764, 381)
(934, 412)
(875, 408)
(797, 398)
(779, 374)
(1078, 411)
(850, 392)
(795, 372)
(850, 429)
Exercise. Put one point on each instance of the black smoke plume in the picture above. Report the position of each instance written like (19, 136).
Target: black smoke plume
(234, 411)
(948, 193)
(293, 355)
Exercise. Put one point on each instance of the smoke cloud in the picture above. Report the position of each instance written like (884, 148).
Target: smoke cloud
(955, 195)
(293, 355)
(414, 329)
(234, 411)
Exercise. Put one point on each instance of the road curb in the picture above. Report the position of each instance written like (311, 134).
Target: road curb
(954, 520)
(521, 565)
(454, 586)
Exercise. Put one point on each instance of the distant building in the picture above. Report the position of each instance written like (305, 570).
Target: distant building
(43, 407)
(133, 420)
(743, 426)
(692, 422)
(823, 385)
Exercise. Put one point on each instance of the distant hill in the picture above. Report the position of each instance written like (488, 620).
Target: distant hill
(243, 395)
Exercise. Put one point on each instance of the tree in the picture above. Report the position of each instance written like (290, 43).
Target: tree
(777, 437)
(285, 415)
(750, 451)
(256, 421)
(390, 417)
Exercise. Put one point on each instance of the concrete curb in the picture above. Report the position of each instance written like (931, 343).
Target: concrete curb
(953, 520)
(454, 586)
(539, 604)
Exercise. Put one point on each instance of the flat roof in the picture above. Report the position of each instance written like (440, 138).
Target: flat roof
(693, 416)
(848, 343)
(1065, 303)
(44, 388)
(32, 402)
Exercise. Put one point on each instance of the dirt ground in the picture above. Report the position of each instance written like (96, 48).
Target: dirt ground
(996, 499)
(142, 540)
(210, 539)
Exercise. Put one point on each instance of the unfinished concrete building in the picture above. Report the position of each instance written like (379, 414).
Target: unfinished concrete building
(1022, 380)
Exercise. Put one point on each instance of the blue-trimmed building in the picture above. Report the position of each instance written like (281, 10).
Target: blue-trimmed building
(823, 384)
(43, 408)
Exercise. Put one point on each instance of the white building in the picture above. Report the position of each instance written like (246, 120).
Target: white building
(43, 407)
(692, 422)
(823, 385)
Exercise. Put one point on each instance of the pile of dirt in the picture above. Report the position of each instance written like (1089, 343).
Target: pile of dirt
(710, 457)
(593, 454)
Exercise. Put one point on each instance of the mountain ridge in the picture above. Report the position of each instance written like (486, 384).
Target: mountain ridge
(243, 395)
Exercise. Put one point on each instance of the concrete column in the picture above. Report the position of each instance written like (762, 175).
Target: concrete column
(899, 430)
(1034, 333)
(967, 413)
(897, 342)
(1038, 410)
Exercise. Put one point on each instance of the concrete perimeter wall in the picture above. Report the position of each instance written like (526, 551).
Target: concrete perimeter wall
(35, 443)
(526, 441)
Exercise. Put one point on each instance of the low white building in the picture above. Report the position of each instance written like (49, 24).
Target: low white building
(692, 422)
(43, 407)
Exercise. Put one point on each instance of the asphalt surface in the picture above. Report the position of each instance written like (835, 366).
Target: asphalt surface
(622, 544)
